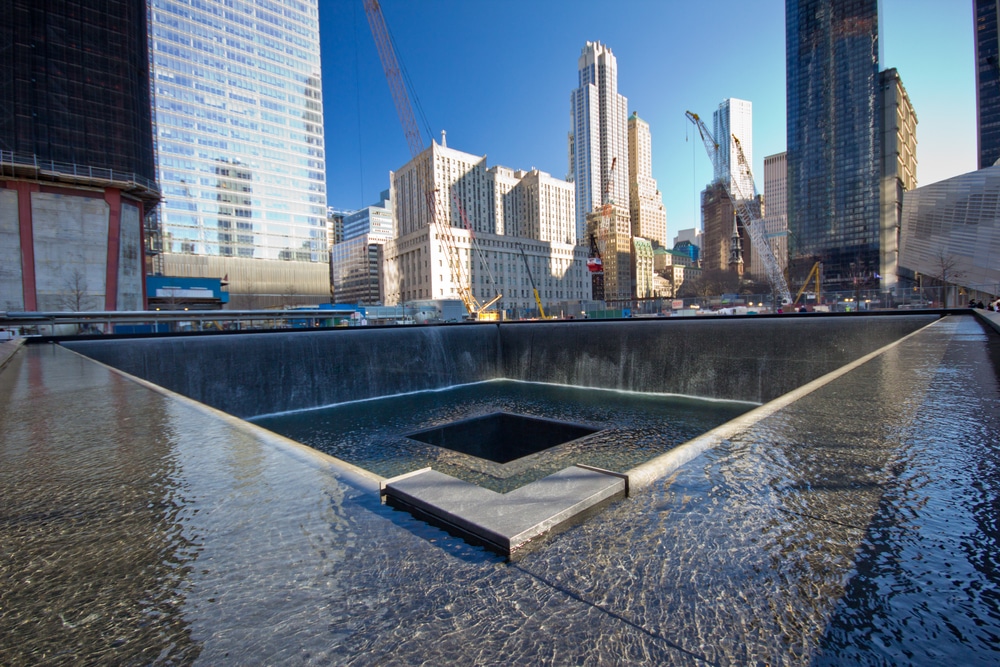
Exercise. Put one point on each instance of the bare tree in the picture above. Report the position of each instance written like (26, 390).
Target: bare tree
(76, 297)
(945, 271)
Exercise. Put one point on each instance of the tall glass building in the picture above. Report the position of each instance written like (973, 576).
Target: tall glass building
(832, 60)
(238, 116)
(734, 117)
(988, 82)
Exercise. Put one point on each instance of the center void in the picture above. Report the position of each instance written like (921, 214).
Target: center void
(502, 437)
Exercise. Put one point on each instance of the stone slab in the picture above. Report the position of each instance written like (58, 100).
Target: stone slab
(506, 522)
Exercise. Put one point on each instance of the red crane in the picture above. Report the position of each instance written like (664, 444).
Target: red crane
(393, 74)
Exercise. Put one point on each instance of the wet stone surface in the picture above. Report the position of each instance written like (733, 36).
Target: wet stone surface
(856, 526)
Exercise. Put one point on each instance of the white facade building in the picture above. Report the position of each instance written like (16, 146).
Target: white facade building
(775, 217)
(734, 117)
(505, 210)
(599, 135)
(649, 217)
(548, 209)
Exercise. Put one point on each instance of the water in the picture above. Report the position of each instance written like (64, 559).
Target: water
(633, 429)
(858, 525)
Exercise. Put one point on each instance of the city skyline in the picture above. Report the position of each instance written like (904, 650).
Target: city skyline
(499, 87)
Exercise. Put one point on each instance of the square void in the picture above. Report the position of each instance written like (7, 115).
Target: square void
(502, 437)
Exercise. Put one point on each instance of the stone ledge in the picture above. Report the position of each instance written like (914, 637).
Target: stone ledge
(504, 522)
(7, 350)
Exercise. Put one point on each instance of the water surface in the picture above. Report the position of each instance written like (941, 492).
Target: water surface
(634, 427)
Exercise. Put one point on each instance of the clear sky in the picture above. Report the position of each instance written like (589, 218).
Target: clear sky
(497, 76)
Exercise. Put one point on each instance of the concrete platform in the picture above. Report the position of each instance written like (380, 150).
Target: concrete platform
(505, 522)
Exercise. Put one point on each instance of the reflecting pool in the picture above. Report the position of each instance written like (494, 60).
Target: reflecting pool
(632, 428)
(857, 525)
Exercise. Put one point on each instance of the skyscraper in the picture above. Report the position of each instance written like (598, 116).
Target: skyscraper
(238, 115)
(599, 135)
(987, 81)
(734, 117)
(898, 127)
(775, 214)
(832, 61)
(649, 217)
(76, 154)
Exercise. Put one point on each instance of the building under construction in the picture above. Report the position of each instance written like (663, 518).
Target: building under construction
(77, 175)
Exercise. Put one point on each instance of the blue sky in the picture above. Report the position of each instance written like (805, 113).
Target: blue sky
(497, 76)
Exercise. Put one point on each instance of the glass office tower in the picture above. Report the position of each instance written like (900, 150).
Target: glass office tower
(832, 60)
(237, 107)
(987, 82)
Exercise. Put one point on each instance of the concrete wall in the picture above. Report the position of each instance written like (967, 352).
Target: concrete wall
(740, 359)
(71, 251)
(11, 285)
(130, 269)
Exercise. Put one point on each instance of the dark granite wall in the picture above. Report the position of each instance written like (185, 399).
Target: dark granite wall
(252, 374)
(749, 359)
(752, 359)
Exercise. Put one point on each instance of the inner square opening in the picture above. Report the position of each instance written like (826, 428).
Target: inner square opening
(502, 437)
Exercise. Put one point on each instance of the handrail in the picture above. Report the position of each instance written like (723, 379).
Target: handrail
(15, 161)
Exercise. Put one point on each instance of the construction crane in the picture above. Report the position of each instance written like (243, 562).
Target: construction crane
(741, 202)
(538, 300)
(595, 263)
(607, 203)
(394, 76)
(482, 311)
(816, 270)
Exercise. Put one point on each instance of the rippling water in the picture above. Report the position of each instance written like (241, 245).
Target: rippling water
(858, 525)
(634, 428)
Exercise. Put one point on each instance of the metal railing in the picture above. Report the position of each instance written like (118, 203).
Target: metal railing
(69, 323)
(21, 164)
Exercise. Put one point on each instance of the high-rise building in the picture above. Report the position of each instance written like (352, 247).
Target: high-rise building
(987, 81)
(355, 273)
(649, 217)
(734, 118)
(725, 243)
(599, 135)
(507, 211)
(76, 155)
(375, 219)
(238, 117)
(775, 219)
(335, 224)
(613, 236)
(718, 219)
(898, 129)
(834, 147)
(547, 208)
